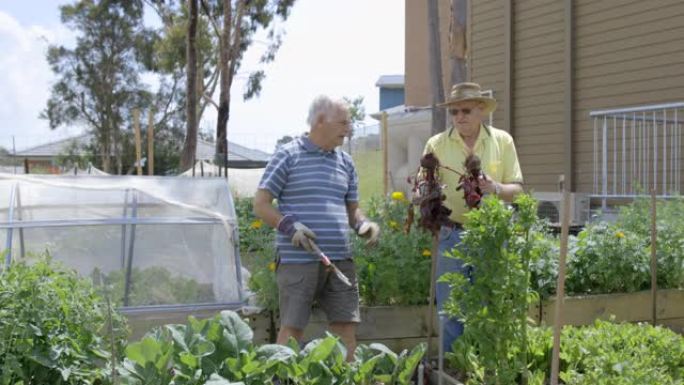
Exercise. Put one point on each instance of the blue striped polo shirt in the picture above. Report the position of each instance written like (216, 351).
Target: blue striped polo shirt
(314, 185)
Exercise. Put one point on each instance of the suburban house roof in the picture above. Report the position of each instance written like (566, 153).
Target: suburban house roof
(238, 156)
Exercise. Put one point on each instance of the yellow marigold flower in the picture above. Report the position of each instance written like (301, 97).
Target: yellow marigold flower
(620, 234)
(272, 266)
(393, 224)
(427, 253)
(398, 196)
(256, 224)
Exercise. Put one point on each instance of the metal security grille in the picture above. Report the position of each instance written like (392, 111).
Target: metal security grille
(636, 149)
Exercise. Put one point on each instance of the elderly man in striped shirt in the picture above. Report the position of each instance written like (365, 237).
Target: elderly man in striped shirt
(316, 186)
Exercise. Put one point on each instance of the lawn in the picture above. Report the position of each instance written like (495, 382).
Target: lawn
(369, 167)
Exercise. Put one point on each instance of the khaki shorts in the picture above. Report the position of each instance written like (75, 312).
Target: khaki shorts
(300, 285)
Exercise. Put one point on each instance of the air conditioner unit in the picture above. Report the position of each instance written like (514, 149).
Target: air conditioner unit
(550, 207)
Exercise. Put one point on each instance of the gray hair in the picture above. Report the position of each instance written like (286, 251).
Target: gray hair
(323, 105)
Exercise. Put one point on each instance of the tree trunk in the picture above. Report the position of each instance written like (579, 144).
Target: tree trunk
(434, 44)
(224, 85)
(458, 41)
(190, 145)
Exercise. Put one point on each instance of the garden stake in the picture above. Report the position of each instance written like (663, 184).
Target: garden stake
(326, 261)
(560, 290)
(431, 301)
(654, 261)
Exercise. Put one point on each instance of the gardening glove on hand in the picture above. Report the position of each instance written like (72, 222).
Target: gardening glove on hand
(300, 235)
(369, 230)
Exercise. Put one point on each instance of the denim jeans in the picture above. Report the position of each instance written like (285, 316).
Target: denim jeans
(448, 239)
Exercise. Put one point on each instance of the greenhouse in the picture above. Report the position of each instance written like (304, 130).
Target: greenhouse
(157, 242)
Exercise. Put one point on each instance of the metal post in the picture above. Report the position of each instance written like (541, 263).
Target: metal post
(655, 152)
(22, 248)
(10, 219)
(123, 231)
(595, 156)
(624, 157)
(238, 262)
(604, 165)
(615, 151)
(654, 262)
(664, 152)
(131, 244)
(634, 162)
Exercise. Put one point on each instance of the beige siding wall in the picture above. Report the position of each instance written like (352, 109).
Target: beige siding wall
(538, 91)
(628, 53)
(487, 50)
(417, 58)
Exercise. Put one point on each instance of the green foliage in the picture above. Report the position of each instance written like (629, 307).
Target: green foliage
(155, 286)
(257, 248)
(615, 257)
(397, 270)
(670, 235)
(54, 327)
(606, 259)
(220, 351)
(611, 354)
(498, 244)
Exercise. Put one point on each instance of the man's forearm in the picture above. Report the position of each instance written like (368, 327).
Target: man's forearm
(263, 209)
(509, 191)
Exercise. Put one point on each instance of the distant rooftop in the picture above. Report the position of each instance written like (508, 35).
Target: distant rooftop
(237, 154)
(390, 81)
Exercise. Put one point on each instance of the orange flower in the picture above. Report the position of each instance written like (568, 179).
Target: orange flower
(272, 266)
(620, 234)
(256, 224)
(427, 253)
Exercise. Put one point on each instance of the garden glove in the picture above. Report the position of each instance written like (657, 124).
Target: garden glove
(369, 230)
(300, 235)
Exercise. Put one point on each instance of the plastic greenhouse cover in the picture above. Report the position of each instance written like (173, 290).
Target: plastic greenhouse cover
(156, 241)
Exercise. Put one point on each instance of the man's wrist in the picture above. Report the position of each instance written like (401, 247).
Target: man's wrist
(358, 225)
(497, 188)
(286, 225)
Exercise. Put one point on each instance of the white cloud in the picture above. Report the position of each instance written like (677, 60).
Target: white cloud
(25, 80)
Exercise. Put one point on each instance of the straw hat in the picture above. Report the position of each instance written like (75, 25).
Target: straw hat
(469, 92)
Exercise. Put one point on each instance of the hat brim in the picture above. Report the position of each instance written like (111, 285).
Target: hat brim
(490, 103)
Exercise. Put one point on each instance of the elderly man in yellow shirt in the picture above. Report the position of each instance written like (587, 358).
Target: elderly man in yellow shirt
(499, 162)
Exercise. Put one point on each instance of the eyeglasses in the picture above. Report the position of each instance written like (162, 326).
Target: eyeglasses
(455, 111)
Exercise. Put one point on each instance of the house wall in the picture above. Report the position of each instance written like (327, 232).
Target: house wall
(612, 54)
(391, 97)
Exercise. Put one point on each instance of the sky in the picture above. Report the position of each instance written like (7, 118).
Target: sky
(334, 47)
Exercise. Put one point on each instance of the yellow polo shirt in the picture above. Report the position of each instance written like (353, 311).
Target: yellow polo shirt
(497, 154)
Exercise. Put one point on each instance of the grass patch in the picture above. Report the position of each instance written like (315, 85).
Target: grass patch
(369, 167)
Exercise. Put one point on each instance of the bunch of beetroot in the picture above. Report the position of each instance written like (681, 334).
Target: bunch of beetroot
(428, 195)
(469, 182)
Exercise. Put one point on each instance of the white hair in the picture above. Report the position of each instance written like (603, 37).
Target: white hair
(323, 105)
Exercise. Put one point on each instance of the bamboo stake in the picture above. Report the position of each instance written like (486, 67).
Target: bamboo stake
(560, 290)
(385, 160)
(654, 261)
(138, 150)
(150, 144)
(431, 302)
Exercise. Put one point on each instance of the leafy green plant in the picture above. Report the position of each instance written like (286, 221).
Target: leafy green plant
(606, 353)
(220, 351)
(54, 327)
(607, 259)
(257, 248)
(670, 235)
(499, 245)
(397, 270)
(154, 286)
